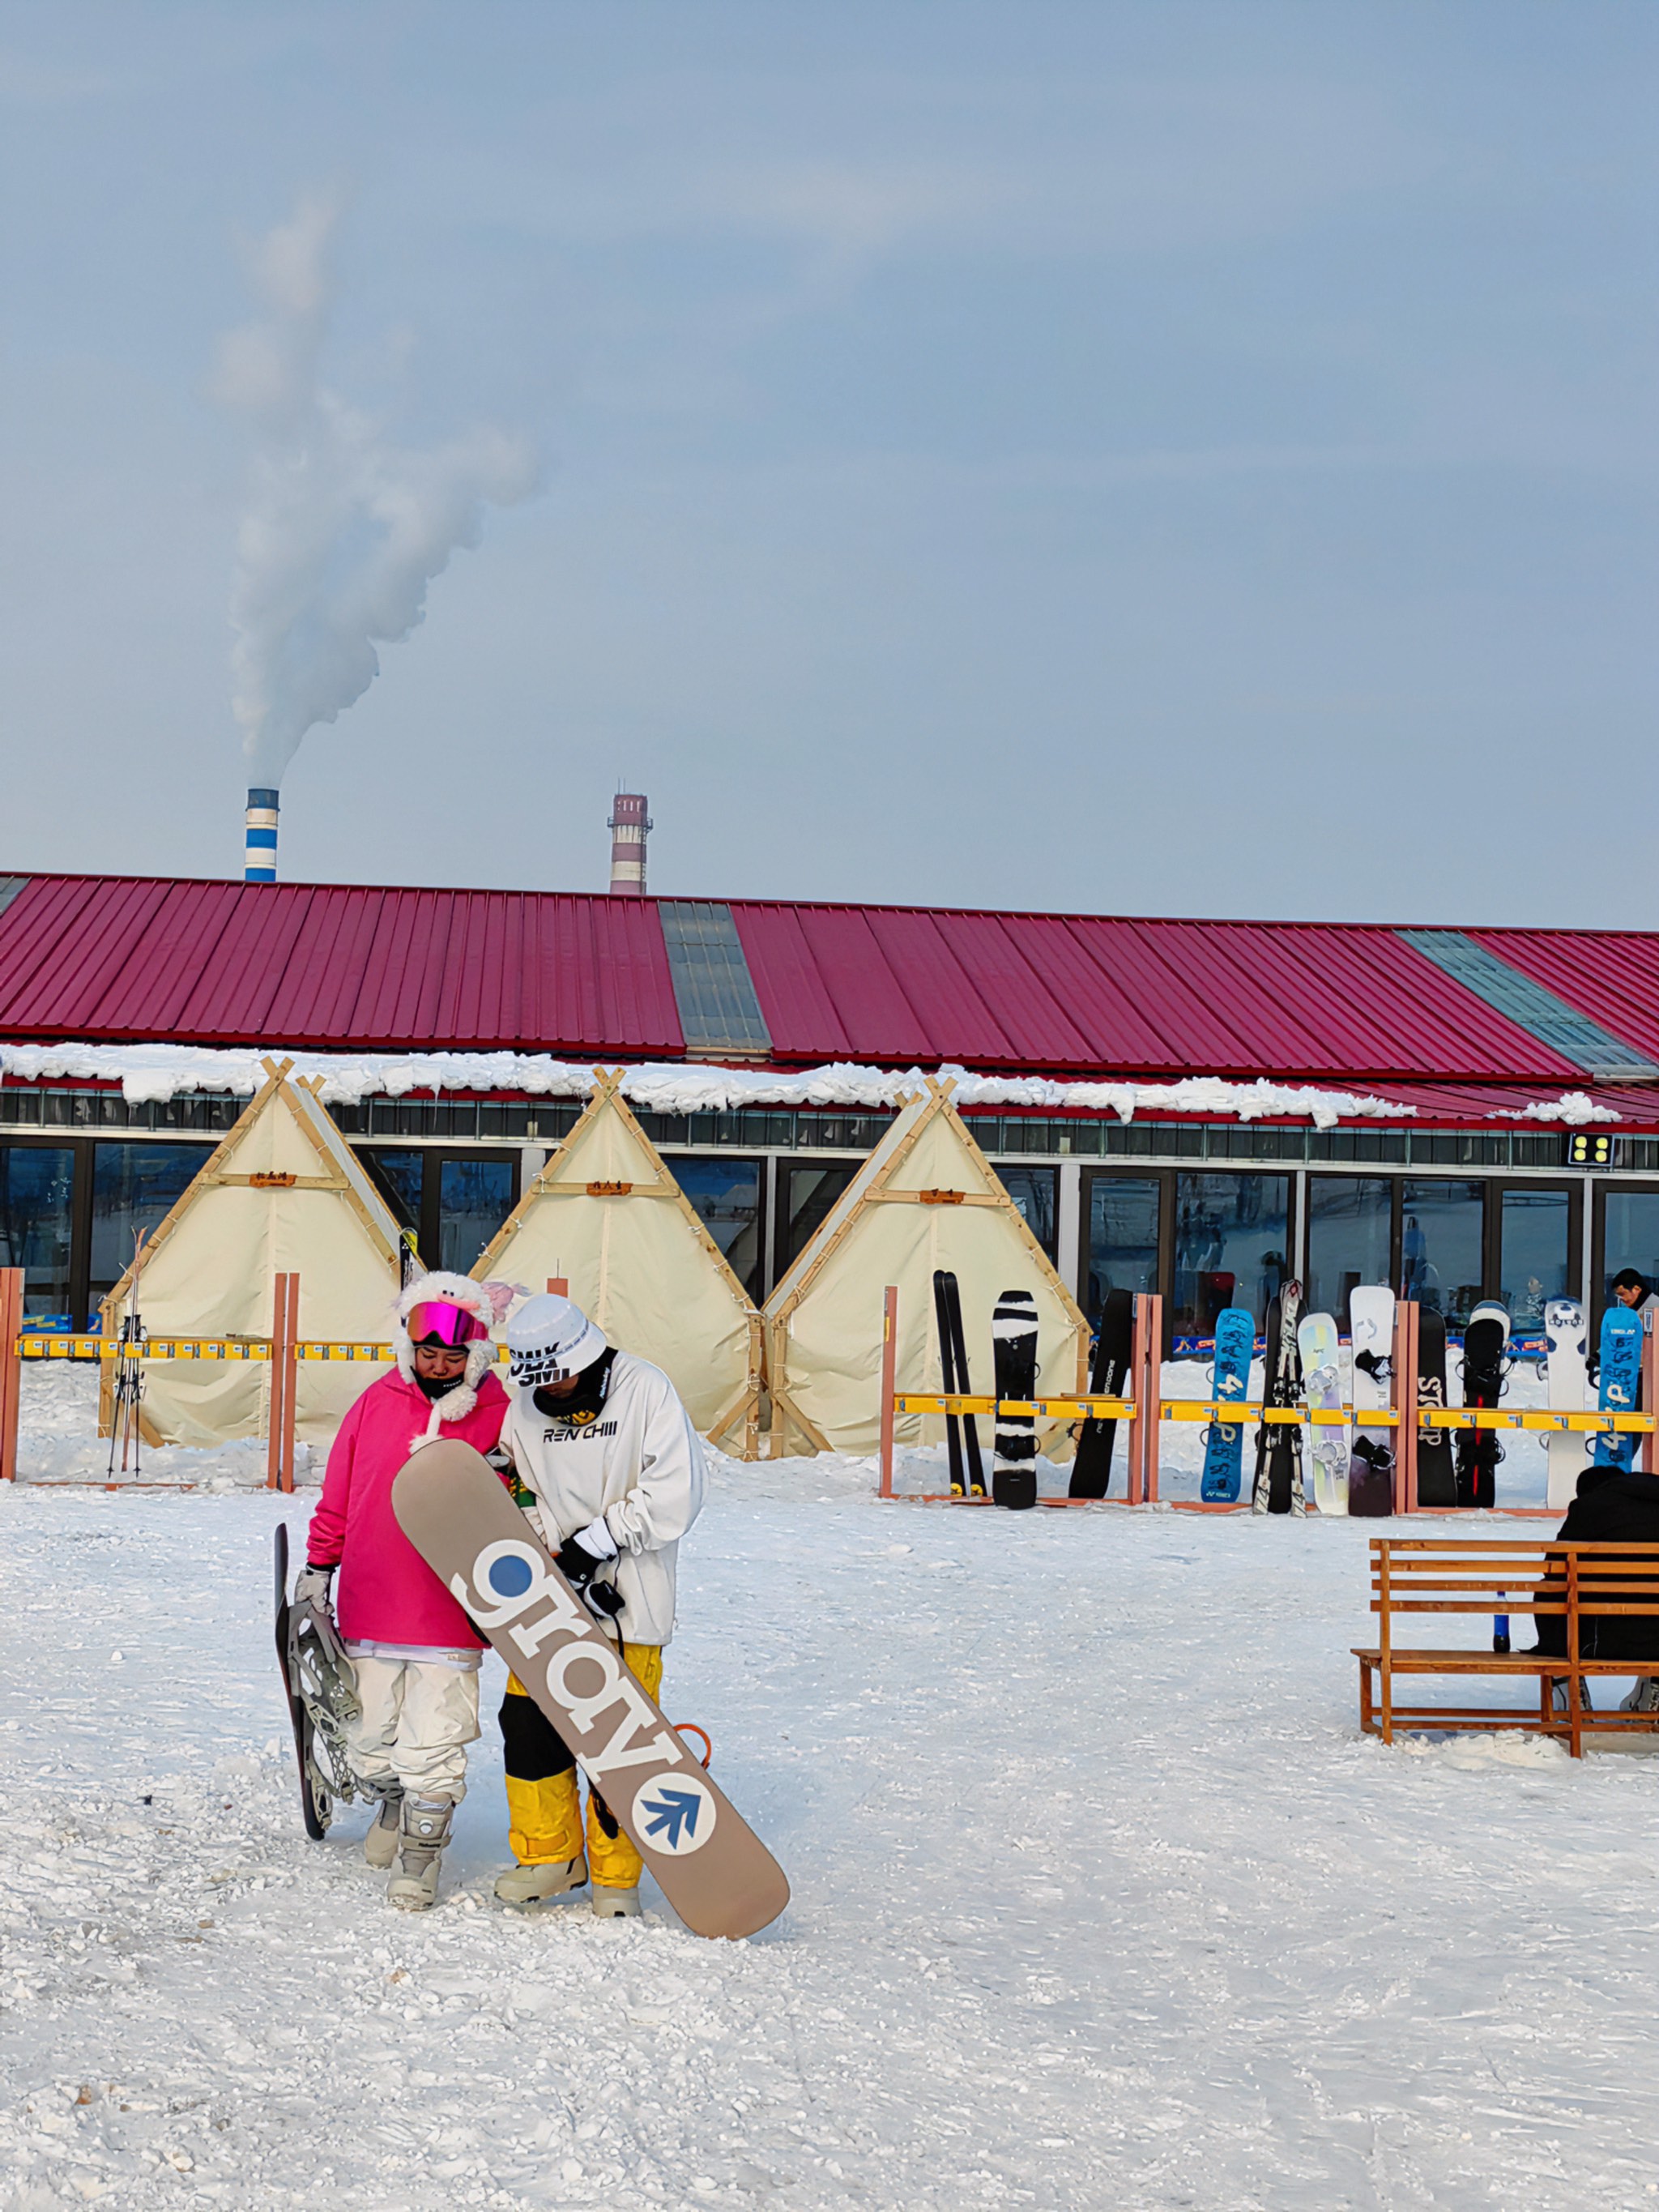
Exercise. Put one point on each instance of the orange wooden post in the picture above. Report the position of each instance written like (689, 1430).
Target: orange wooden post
(1405, 1400)
(559, 1286)
(1137, 1387)
(291, 1379)
(274, 1395)
(1649, 1397)
(11, 1368)
(1153, 1386)
(888, 1382)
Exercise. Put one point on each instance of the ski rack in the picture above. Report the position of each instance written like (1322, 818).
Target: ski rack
(1406, 1416)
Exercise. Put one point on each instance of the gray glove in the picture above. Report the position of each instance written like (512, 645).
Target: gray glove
(315, 1588)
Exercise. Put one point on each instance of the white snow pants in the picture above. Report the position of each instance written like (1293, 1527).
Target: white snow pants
(417, 1720)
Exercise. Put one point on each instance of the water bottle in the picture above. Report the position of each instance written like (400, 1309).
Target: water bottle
(1500, 1630)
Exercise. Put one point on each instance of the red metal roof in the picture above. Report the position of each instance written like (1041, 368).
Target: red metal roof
(334, 967)
(343, 968)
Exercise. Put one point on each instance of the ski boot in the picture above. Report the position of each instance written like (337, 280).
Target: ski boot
(616, 1904)
(535, 1884)
(423, 1831)
(381, 1844)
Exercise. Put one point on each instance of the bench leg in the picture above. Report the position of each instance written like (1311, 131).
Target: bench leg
(1387, 1672)
(1365, 1716)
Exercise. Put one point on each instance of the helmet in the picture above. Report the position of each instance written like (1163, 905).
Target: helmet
(452, 1312)
(549, 1340)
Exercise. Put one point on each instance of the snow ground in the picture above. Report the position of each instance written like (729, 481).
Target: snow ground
(1099, 1899)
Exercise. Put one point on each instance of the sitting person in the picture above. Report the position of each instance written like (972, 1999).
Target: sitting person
(1613, 1505)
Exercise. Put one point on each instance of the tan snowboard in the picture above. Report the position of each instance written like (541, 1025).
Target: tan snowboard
(712, 1868)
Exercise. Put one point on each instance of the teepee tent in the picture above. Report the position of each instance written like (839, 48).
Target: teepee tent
(283, 1192)
(926, 1198)
(606, 1215)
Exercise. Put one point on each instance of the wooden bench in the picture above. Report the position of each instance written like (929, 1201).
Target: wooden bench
(1531, 1580)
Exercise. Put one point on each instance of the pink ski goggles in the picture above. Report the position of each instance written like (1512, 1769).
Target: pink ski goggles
(450, 1327)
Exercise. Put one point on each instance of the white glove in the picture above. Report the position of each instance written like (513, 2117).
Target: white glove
(315, 1586)
(597, 1538)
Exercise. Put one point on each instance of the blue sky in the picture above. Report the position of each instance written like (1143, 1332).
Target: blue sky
(1154, 458)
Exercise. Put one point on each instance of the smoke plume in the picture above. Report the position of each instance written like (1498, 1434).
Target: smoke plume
(344, 530)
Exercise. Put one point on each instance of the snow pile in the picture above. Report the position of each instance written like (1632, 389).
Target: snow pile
(1099, 1899)
(156, 1072)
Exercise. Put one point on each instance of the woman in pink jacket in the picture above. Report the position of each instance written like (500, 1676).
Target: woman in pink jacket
(414, 1651)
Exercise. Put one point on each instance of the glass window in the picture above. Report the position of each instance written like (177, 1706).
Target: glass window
(474, 1197)
(1232, 1238)
(1442, 1246)
(1532, 1252)
(1630, 1236)
(1123, 1226)
(1035, 1192)
(401, 1179)
(809, 1193)
(134, 1187)
(1349, 1233)
(726, 1196)
(37, 1188)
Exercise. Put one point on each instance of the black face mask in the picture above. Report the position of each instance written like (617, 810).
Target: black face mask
(582, 1406)
(434, 1387)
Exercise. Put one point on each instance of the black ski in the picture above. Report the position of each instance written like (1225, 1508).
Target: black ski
(1092, 1470)
(970, 1447)
(947, 1371)
(1279, 1485)
(1437, 1470)
(1014, 1346)
(314, 1804)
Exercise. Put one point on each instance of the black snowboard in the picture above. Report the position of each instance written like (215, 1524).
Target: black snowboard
(1014, 1347)
(1436, 1470)
(1092, 1470)
(1277, 1444)
(1478, 1449)
(961, 1431)
(316, 1807)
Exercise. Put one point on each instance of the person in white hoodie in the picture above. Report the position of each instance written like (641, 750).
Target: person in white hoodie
(605, 1460)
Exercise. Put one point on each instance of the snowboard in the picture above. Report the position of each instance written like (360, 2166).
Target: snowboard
(1437, 1462)
(1316, 1341)
(1278, 1486)
(711, 1866)
(1371, 1462)
(1566, 1349)
(1620, 1381)
(1478, 1449)
(1092, 1470)
(1014, 1346)
(1230, 1378)
(961, 1430)
(316, 1803)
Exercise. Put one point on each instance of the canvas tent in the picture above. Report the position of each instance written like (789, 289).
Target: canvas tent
(606, 1215)
(282, 1193)
(926, 1198)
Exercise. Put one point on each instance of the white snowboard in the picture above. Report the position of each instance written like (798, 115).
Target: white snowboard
(1566, 1369)
(1328, 1448)
(1370, 1463)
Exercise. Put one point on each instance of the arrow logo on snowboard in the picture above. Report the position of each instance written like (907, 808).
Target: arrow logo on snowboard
(670, 1814)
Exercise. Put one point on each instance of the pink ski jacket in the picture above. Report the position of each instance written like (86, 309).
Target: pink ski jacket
(386, 1593)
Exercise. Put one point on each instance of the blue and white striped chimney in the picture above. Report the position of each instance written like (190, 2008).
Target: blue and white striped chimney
(260, 863)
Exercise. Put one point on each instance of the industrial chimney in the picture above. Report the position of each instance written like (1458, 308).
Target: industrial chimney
(260, 857)
(628, 825)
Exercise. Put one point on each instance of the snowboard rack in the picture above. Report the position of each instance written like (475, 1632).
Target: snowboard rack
(1405, 1416)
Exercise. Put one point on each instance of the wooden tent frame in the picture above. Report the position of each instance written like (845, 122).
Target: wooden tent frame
(792, 1288)
(742, 1410)
(341, 1172)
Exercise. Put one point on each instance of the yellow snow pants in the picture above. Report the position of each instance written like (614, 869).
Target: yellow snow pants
(544, 1808)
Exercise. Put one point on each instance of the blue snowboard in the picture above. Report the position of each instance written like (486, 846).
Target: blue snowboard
(1224, 1441)
(1620, 1381)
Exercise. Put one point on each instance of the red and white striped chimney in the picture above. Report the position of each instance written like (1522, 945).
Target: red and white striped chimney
(628, 825)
